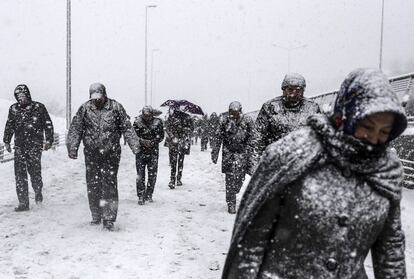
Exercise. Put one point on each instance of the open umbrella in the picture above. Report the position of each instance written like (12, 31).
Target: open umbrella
(183, 106)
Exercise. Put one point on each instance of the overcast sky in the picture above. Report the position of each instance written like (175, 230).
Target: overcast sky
(210, 52)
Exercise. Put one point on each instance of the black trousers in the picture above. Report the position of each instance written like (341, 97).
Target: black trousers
(204, 142)
(102, 184)
(147, 161)
(27, 160)
(176, 163)
(234, 182)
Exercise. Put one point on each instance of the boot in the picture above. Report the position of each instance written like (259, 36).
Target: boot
(141, 201)
(21, 207)
(148, 198)
(108, 225)
(232, 208)
(95, 222)
(171, 184)
(179, 183)
(38, 198)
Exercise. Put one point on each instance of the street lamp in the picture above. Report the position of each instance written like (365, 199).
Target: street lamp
(289, 50)
(382, 35)
(146, 48)
(152, 70)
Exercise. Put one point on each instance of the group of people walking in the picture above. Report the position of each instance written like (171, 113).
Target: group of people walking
(324, 191)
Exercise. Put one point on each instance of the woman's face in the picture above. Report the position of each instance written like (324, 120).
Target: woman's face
(375, 128)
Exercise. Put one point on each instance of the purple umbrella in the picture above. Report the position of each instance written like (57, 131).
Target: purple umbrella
(183, 106)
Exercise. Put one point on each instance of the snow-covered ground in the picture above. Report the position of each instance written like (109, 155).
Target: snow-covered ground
(185, 233)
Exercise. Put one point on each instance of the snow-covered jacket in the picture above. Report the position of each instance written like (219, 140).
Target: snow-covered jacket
(276, 120)
(29, 125)
(101, 129)
(179, 128)
(320, 200)
(151, 133)
(235, 137)
(309, 213)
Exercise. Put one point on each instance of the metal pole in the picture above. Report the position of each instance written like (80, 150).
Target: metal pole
(382, 35)
(146, 51)
(68, 66)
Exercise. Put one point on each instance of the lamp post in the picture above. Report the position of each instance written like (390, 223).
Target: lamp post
(146, 49)
(382, 35)
(68, 65)
(152, 71)
(289, 50)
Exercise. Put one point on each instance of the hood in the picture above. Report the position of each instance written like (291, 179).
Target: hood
(22, 88)
(365, 92)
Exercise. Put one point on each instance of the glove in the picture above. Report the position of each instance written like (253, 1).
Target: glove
(8, 147)
(73, 155)
(47, 146)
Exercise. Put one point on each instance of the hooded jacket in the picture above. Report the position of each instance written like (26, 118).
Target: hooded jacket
(315, 207)
(152, 132)
(31, 125)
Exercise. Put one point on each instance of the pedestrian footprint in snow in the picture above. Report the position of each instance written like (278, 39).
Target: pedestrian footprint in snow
(150, 131)
(326, 195)
(29, 122)
(281, 115)
(234, 133)
(99, 123)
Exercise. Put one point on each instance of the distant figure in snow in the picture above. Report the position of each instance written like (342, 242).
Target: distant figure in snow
(326, 195)
(213, 124)
(99, 123)
(234, 133)
(150, 131)
(204, 132)
(29, 122)
(179, 128)
(282, 115)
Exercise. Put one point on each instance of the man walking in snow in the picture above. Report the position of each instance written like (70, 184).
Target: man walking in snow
(100, 123)
(179, 128)
(29, 122)
(234, 132)
(282, 115)
(150, 131)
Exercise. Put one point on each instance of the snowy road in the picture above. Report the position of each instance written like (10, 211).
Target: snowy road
(184, 234)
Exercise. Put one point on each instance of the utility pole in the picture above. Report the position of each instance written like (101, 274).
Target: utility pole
(382, 35)
(68, 66)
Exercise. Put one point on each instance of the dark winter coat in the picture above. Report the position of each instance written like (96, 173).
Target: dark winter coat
(308, 213)
(29, 125)
(235, 137)
(275, 120)
(179, 128)
(101, 130)
(320, 200)
(149, 132)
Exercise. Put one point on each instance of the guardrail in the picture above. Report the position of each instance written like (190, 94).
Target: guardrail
(5, 156)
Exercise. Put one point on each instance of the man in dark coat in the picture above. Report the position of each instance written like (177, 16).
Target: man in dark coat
(99, 123)
(150, 131)
(282, 115)
(204, 132)
(29, 122)
(179, 128)
(234, 132)
(213, 124)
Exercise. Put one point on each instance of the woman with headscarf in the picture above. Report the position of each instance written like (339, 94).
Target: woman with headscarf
(325, 196)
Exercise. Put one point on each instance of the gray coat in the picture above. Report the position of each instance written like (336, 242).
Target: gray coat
(309, 213)
(275, 120)
(235, 137)
(101, 130)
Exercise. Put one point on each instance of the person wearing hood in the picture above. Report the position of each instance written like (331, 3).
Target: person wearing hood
(282, 115)
(204, 132)
(179, 128)
(213, 124)
(99, 124)
(30, 124)
(326, 195)
(234, 133)
(150, 131)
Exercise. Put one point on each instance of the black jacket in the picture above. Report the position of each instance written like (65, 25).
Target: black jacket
(151, 133)
(29, 125)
